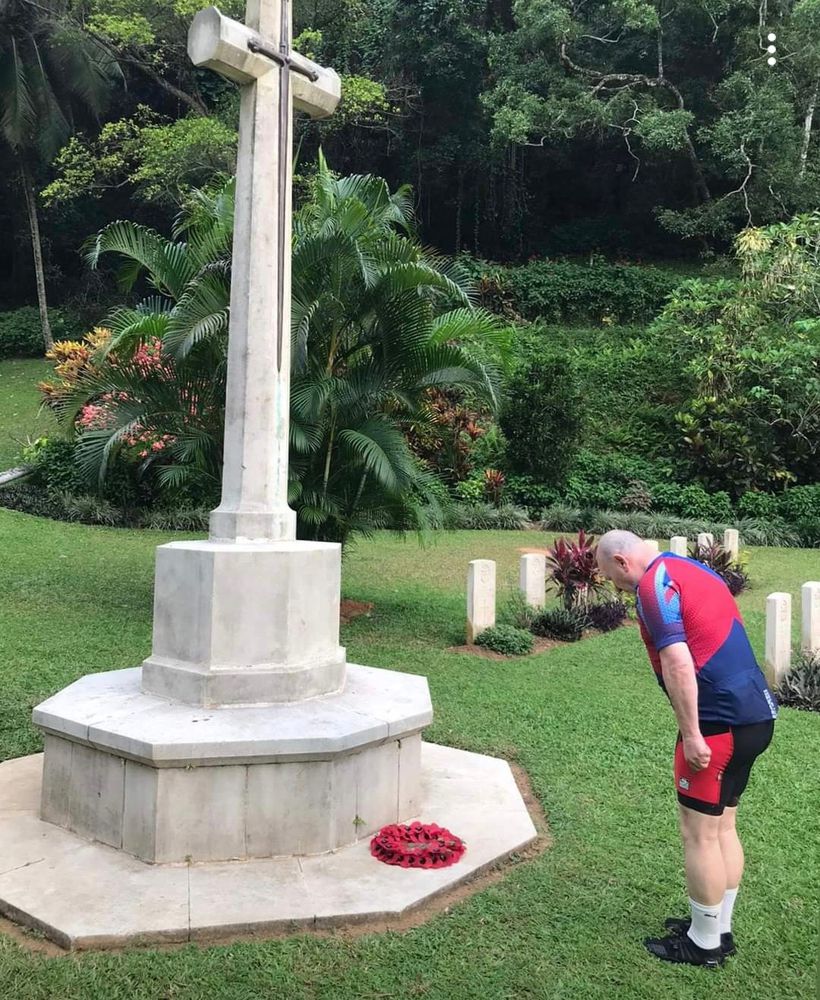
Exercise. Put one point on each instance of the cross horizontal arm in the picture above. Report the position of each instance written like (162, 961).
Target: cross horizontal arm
(237, 52)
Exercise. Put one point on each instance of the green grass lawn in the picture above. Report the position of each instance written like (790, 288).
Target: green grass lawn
(20, 415)
(586, 721)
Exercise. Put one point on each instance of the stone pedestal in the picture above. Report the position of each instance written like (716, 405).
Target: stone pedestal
(245, 623)
(165, 781)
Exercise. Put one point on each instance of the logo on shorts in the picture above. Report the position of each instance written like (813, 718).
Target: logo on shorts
(684, 784)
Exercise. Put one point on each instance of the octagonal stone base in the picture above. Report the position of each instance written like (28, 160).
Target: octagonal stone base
(166, 781)
(86, 895)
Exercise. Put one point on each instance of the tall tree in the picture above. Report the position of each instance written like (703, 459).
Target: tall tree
(50, 71)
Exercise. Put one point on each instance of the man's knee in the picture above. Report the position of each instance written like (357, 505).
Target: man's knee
(728, 821)
(699, 829)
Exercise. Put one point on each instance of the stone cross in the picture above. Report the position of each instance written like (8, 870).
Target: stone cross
(274, 80)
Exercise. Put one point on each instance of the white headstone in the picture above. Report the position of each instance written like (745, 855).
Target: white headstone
(778, 636)
(705, 540)
(533, 578)
(677, 544)
(653, 544)
(810, 637)
(731, 542)
(480, 597)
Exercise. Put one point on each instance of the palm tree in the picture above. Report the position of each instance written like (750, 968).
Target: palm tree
(49, 70)
(379, 323)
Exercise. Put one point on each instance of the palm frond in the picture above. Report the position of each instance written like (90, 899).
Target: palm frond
(167, 264)
(19, 113)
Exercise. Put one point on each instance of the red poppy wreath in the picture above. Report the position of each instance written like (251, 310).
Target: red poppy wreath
(417, 845)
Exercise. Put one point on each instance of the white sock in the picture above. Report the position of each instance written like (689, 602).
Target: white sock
(705, 929)
(726, 910)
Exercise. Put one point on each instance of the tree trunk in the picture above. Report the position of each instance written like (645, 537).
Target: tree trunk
(459, 206)
(37, 249)
(807, 126)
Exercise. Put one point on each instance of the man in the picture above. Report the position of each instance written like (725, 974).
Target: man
(701, 655)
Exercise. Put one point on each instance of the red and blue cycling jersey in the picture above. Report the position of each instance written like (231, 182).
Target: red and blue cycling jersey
(681, 600)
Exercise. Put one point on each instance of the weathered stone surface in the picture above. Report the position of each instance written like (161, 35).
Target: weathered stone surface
(677, 544)
(532, 578)
(778, 636)
(243, 624)
(480, 597)
(86, 895)
(166, 781)
(810, 631)
(731, 542)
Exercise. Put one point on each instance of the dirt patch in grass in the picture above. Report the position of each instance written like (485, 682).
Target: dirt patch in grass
(539, 645)
(353, 609)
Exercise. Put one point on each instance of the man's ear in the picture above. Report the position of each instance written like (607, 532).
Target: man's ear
(620, 560)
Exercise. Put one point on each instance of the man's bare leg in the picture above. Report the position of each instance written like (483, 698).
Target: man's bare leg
(733, 861)
(698, 942)
(731, 848)
(706, 876)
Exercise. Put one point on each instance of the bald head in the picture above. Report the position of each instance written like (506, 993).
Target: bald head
(623, 558)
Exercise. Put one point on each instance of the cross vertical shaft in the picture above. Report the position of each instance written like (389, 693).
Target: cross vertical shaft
(255, 475)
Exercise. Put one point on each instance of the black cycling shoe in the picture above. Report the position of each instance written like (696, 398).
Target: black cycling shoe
(681, 925)
(683, 951)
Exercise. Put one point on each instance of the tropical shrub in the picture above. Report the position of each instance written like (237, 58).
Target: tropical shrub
(446, 437)
(749, 351)
(485, 517)
(606, 616)
(755, 503)
(566, 624)
(494, 483)
(572, 570)
(730, 570)
(21, 333)
(800, 687)
(540, 418)
(596, 292)
(524, 491)
(799, 503)
(30, 499)
(506, 639)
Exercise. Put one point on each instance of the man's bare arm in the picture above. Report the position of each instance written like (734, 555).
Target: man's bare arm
(679, 677)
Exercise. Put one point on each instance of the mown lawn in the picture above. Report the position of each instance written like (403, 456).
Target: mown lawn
(20, 416)
(586, 721)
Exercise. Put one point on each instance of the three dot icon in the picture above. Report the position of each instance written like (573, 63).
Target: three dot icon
(771, 49)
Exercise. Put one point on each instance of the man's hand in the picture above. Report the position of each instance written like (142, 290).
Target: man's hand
(697, 752)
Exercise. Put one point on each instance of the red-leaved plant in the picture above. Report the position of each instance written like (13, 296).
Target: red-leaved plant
(573, 570)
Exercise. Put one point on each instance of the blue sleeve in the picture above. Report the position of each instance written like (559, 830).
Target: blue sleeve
(661, 607)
